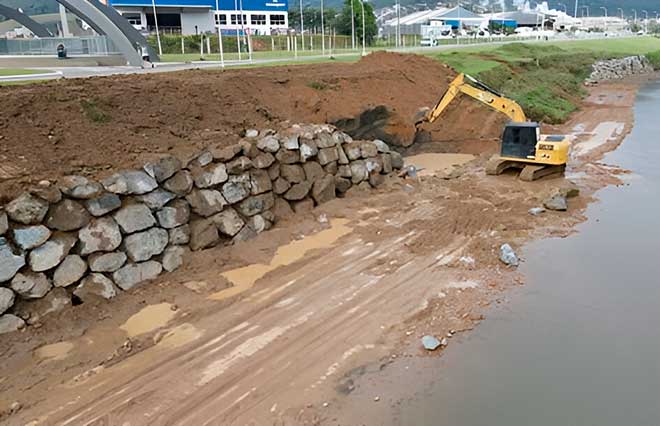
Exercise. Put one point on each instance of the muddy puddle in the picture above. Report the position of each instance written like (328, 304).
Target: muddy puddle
(578, 344)
(245, 277)
(150, 318)
(435, 163)
(54, 352)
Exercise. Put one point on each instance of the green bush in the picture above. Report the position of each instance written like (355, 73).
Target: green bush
(654, 58)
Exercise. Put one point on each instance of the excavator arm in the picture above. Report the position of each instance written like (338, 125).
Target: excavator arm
(480, 92)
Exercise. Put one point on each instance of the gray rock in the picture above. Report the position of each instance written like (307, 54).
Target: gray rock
(331, 168)
(282, 208)
(164, 168)
(95, 285)
(180, 235)
(256, 204)
(31, 236)
(397, 160)
(101, 234)
(344, 171)
(133, 274)
(359, 171)
(4, 223)
(381, 146)
(202, 159)
(274, 171)
(72, 268)
(324, 189)
(368, 149)
(258, 223)
(353, 151)
(156, 199)
(106, 262)
(226, 153)
(228, 222)
(27, 209)
(173, 257)
(303, 206)
(174, 215)
(430, 343)
(293, 173)
(342, 157)
(325, 140)
(251, 133)
(508, 256)
(387, 163)
(34, 310)
(103, 204)
(203, 234)
(298, 191)
(7, 298)
(313, 171)
(239, 165)
(10, 262)
(180, 184)
(308, 149)
(260, 182)
(286, 156)
(342, 184)
(80, 187)
(268, 144)
(289, 142)
(67, 215)
(556, 202)
(211, 175)
(206, 202)
(130, 182)
(374, 165)
(328, 155)
(52, 252)
(47, 192)
(10, 323)
(263, 160)
(235, 191)
(245, 234)
(535, 211)
(134, 217)
(31, 285)
(144, 245)
(281, 185)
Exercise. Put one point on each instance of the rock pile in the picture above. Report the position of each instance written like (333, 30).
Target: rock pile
(616, 69)
(78, 239)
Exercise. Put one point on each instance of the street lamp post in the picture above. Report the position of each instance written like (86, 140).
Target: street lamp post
(222, 54)
(364, 46)
(302, 27)
(322, 32)
(352, 25)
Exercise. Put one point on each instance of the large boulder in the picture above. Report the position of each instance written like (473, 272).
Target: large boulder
(130, 182)
(298, 191)
(258, 223)
(80, 187)
(255, 204)
(213, 174)
(324, 189)
(144, 245)
(308, 149)
(135, 273)
(72, 269)
(173, 215)
(106, 262)
(556, 202)
(163, 168)
(29, 237)
(226, 153)
(103, 204)
(397, 160)
(324, 140)
(7, 298)
(52, 252)
(95, 286)
(173, 257)
(313, 171)
(10, 323)
(27, 209)
(47, 192)
(293, 173)
(180, 235)
(156, 199)
(342, 184)
(228, 222)
(263, 160)
(31, 285)
(180, 184)
(101, 234)
(328, 155)
(282, 208)
(235, 191)
(286, 156)
(353, 151)
(134, 217)
(260, 182)
(268, 144)
(281, 185)
(359, 171)
(368, 149)
(10, 262)
(289, 141)
(206, 202)
(203, 234)
(67, 215)
(239, 165)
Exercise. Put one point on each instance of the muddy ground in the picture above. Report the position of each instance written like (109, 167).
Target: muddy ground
(302, 324)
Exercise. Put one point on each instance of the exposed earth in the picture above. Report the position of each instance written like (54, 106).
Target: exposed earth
(297, 325)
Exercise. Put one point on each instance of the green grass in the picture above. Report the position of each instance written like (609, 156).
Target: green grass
(94, 112)
(5, 72)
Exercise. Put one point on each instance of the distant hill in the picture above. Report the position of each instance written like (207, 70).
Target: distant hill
(32, 7)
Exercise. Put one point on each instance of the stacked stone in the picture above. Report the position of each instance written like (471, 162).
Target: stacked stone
(83, 239)
(616, 69)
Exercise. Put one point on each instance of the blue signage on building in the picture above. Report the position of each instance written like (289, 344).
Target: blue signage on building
(262, 5)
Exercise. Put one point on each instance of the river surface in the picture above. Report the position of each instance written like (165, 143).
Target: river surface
(579, 344)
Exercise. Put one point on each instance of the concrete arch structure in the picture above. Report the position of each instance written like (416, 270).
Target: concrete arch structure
(29, 23)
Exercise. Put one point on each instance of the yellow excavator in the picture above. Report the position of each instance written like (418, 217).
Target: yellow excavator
(523, 145)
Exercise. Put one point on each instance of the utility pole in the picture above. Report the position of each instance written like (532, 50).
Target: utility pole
(322, 32)
(352, 25)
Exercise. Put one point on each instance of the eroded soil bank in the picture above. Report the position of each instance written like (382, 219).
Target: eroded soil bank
(309, 340)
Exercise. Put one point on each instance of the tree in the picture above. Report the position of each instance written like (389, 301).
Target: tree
(312, 18)
(344, 21)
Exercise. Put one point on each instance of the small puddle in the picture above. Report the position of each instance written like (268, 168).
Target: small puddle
(54, 352)
(433, 163)
(148, 319)
(244, 278)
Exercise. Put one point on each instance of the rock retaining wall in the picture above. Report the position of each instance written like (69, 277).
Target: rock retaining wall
(78, 239)
(616, 69)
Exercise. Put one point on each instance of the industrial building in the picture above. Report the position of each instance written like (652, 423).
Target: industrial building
(201, 16)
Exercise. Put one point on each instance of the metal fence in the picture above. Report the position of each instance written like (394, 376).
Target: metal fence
(88, 45)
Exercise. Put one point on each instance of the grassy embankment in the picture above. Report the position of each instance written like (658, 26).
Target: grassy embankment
(545, 78)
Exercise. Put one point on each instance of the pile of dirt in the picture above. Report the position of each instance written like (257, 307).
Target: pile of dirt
(83, 126)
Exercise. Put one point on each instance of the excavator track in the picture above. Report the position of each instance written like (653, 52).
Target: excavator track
(530, 172)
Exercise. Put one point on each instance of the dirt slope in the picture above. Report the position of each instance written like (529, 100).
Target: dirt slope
(93, 126)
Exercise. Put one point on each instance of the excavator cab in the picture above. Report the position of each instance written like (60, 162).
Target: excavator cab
(519, 140)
